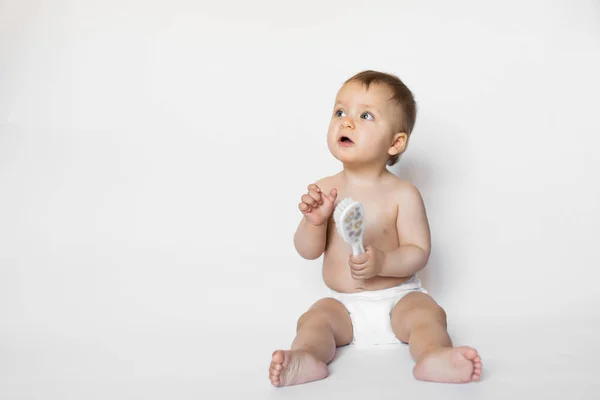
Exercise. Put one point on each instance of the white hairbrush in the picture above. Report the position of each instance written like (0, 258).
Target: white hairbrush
(349, 218)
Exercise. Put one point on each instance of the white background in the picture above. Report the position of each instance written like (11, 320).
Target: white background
(152, 155)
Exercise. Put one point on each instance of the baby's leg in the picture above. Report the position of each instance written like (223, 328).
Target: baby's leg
(419, 321)
(320, 330)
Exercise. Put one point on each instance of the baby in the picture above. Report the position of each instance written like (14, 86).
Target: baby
(375, 297)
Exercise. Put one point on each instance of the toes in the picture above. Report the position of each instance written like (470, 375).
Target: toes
(477, 366)
(476, 373)
(470, 353)
(278, 357)
(276, 366)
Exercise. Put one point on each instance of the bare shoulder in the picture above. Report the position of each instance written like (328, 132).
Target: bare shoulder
(327, 183)
(406, 193)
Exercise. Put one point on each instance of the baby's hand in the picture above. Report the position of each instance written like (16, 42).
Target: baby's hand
(317, 206)
(366, 265)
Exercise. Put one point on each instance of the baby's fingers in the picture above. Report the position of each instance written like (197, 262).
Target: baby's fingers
(316, 196)
(357, 275)
(358, 268)
(332, 195)
(314, 187)
(309, 200)
(305, 208)
(359, 259)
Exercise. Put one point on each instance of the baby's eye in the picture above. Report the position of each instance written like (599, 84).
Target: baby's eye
(339, 113)
(367, 116)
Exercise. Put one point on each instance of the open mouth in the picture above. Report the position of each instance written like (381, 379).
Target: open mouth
(345, 140)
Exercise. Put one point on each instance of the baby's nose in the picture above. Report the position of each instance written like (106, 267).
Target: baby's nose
(347, 123)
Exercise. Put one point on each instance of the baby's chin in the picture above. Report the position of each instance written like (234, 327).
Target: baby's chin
(340, 156)
(349, 160)
(347, 155)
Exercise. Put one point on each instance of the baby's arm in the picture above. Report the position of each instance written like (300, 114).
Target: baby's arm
(413, 234)
(311, 236)
(309, 239)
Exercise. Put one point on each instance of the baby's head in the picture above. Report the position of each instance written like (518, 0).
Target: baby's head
(373, 117)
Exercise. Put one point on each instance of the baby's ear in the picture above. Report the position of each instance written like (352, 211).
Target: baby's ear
(398, 143)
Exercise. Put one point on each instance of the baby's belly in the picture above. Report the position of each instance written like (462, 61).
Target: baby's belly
(337, 276)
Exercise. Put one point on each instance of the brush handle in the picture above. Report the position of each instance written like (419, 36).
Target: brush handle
(357, 248)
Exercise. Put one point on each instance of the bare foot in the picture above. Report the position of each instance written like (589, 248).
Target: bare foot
(449, 364)
(292, 367)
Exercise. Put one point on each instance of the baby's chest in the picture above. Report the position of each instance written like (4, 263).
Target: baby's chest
(380, 221)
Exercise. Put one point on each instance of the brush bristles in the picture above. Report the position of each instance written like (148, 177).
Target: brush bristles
(340, 208)
(354, 232)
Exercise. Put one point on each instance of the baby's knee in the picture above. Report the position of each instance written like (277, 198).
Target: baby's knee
(411, 318)
(318, 314)
(428, 315)
(313, 317)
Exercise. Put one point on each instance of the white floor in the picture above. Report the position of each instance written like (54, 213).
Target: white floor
(523, 358)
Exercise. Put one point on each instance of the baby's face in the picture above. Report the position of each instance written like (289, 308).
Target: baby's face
(363, 123)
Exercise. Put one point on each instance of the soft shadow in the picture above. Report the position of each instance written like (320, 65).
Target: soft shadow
(340, 352)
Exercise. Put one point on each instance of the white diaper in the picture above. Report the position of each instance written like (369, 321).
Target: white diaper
(370, 312)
